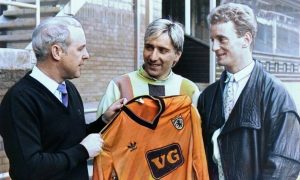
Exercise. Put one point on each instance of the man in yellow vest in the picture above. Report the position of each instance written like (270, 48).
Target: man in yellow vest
(163, 46)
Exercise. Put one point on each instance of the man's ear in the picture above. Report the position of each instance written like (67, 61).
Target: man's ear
(56, 52)
(177, 57)
(247, 40)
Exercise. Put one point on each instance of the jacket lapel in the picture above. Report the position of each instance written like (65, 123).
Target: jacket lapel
(245, 113)
(216, 114)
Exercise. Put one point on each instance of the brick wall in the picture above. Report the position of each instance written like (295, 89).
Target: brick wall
(110, 42)
(7, 79)
(4, 163)
(14, 64)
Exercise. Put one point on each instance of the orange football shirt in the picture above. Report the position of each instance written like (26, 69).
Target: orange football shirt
(153, 138)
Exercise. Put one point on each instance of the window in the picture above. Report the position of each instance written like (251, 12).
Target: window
(199, 11)
(278, 26)
(173, 9)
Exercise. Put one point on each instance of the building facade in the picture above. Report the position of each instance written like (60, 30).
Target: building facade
(115, 28)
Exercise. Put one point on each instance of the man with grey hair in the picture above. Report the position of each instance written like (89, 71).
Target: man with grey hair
(42, 117)
(163, 46)
(250, 126)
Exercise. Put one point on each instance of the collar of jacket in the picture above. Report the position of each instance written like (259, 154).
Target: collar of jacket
(245, 112)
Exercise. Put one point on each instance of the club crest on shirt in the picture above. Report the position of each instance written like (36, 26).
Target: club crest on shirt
(178, 122)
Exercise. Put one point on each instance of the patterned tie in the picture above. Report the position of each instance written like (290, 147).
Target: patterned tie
(64, 94)
(228, 96)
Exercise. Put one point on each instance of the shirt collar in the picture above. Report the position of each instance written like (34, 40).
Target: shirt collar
(242, 73)
(44, 79)
(144, 74)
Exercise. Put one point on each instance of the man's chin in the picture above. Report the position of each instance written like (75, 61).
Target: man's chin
(152, 74)
(75, 76)
(221, 62)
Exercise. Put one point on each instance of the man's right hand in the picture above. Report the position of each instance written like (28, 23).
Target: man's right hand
(113, 110)
(93, 144)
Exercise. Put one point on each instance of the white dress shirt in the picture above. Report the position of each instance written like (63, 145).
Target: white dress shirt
(49, 83)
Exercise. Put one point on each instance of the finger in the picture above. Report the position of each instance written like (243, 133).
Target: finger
(120, 106)
(124, 101)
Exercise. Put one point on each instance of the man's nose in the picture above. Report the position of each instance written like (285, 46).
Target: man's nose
(154, 55)
(215, 46)
(86, 55)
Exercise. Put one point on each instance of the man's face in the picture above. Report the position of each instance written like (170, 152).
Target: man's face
(75, 55)
(226, 44)
(160, 56)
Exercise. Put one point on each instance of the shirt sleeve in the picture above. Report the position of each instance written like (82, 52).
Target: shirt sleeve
(282, 135)
(283, 159)
(190, 89)
(195, 96)
(111, 95)
(200, 168)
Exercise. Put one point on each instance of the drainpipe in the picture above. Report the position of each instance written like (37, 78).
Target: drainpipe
(136, 33)
(274, 35)
(187, 17)
(149, 11)
(212, 55)
(37, 13)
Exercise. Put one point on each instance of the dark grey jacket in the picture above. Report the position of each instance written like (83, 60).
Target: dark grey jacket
(261, 138)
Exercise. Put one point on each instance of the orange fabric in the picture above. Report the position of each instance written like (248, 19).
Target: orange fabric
(164, 141)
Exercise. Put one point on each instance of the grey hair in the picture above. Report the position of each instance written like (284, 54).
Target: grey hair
(161, 26)
(52, 31)
(241, 15)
